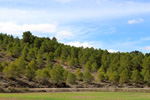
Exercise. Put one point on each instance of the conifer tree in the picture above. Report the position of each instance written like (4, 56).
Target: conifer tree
(10, 71)
(95, 67)
(20, 65)
(31, 55)
(42, 74)
(101, 76)
(87, 66)
(136, 77)
(114, 78)
(147, 77)
(49, 58)
(54, 77)
(88, 77)
(31, 69)
(16, 51)
(79, 74)
(65, 74)
(124, 77)
(25, 51)
(71, 79)
(57, 74)
(40, 61)
(26, 36)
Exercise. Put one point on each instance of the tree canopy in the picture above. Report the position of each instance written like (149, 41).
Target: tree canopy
(41, 58)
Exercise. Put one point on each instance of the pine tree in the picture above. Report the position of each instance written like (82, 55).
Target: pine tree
(31, 69)
(71, 62)
(42, 75)
(114, 77)
(101, 76)
(146, 65)
(20, 65)
(57, 52)
(26, 36)
(87, 66)
(50, 58)
(79, 74)
(16, 51)
(124, 77)
(54, 77)
(37, 43)
(10, 71)
(40, 61)
(57, 74)
(30, 55)
(136, 77)
(147, 77)
(71, 79)
(65, 74)
(95, 67)
(88, 77)
(25, 51)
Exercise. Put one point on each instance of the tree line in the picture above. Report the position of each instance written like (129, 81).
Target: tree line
(43, 59)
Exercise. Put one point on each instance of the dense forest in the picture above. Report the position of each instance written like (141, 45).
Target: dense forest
(46, 61)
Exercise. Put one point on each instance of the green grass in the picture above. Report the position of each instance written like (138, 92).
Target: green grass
(77, 96)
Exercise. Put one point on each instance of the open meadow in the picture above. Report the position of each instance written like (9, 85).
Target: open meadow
(76, 96)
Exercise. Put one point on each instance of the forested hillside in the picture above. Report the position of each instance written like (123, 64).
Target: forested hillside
(45, 61)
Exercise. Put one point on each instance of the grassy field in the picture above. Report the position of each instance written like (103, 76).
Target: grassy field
(77, 96)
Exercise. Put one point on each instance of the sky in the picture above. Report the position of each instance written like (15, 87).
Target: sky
(115, 25)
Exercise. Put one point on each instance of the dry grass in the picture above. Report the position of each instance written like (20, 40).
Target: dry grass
(140, 90)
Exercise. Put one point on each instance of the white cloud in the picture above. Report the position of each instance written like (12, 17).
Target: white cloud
(44, 28)
(136, 21)
(112, 51)
(77, 10)
(64, 35)
(148, 48)
(78, 44)
(16, 29)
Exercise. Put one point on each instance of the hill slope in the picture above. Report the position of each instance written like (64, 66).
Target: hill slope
(43, 62)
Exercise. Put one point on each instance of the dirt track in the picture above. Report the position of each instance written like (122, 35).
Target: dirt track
(143, 90)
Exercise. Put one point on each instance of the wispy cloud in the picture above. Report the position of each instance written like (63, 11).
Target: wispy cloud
(148, 48)
(135, 21)
(80, 21)
(94, 44)
(127, 45)
(76, 10)
(64, 34)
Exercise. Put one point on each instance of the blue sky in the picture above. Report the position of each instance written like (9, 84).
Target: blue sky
(115, 25)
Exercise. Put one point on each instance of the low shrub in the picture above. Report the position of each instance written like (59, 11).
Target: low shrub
(2, 90)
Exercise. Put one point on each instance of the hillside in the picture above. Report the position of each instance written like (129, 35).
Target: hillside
(39, 62)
